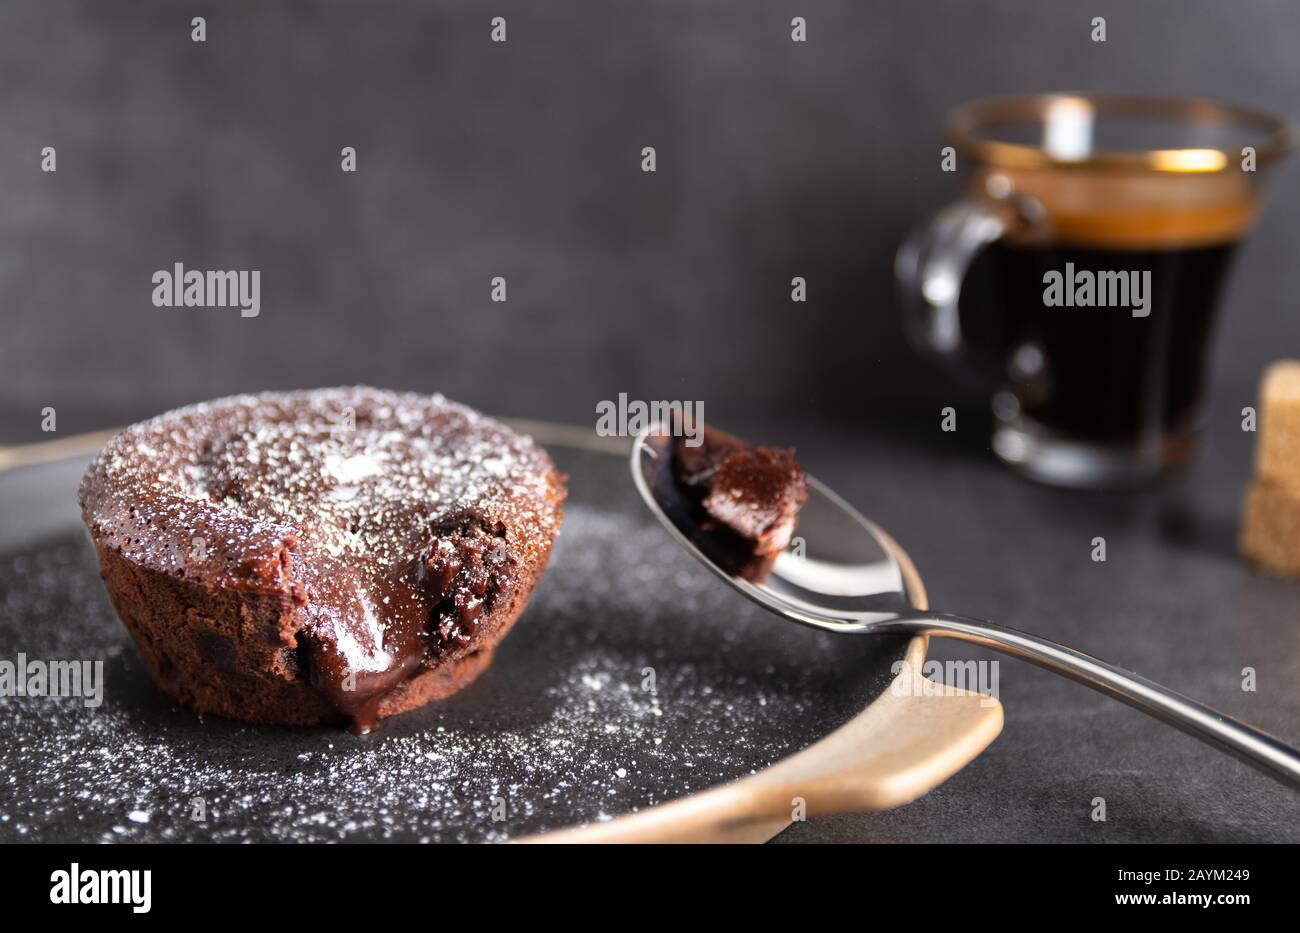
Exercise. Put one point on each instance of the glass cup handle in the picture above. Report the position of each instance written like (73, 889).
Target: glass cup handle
(933, 260)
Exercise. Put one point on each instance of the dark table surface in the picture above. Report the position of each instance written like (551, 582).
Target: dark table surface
(1173, 601)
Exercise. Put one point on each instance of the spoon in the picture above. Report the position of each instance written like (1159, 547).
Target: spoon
(847, 581)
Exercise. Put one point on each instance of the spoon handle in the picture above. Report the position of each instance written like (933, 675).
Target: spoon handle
(1257, 749)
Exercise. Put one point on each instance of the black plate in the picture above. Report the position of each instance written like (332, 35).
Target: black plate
(635, 677)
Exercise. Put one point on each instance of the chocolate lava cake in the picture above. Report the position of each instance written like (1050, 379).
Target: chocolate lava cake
(746, 498)
(336, 555)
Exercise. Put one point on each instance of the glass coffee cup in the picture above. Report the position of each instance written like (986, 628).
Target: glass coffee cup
(1082, 271)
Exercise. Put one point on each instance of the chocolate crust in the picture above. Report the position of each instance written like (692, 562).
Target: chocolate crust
(254, 628)
(220, 651)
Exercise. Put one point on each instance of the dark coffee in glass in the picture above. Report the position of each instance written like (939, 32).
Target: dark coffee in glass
(1084, 272)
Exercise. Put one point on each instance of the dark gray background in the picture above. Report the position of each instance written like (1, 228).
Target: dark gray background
(775, 160)
(478, 159)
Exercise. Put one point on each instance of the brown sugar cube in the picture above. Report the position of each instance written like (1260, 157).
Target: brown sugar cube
(1277, 458)
(1270, 534)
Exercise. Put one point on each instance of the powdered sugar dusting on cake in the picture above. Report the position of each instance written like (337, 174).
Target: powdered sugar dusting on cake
(335, 502)
(333, 468)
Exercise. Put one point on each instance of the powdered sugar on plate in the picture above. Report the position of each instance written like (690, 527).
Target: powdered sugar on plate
(633, 678)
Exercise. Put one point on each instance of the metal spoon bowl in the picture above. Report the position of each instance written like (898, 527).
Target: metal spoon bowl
(841, 577)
